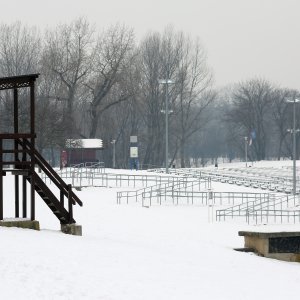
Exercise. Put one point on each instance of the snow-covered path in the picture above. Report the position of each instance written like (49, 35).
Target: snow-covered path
(131, 252)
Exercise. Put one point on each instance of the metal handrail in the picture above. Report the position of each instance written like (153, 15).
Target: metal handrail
(156, 189)
(254, 207)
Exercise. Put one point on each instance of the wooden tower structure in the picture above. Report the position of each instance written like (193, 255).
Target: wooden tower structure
(19, 157)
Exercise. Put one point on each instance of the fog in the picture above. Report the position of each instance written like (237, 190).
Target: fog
(243, 38)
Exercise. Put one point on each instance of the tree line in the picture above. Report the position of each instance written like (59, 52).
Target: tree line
(105, 84)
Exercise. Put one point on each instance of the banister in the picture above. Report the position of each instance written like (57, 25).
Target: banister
(51, 173)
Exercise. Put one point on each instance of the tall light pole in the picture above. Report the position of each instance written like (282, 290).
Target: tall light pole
(294, 131)
(166, 82)
(246, 150)
(114, 153)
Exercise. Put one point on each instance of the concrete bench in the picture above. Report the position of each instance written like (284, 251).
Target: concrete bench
(278, 245)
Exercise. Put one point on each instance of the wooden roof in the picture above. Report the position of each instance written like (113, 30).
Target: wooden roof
(15, 82)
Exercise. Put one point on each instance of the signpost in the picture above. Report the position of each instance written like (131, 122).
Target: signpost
(134, 162)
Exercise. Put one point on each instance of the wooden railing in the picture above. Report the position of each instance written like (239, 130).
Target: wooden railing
(50, 172)
(24, 158)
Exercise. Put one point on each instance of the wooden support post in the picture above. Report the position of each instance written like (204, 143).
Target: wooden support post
(24, 156)
(24, 186)
(1, 180)
(70, 203)
(32, 192)
(32, 110)
(24, 197)
(16, 130)
(32, 145)
(17, 208)
(16, 121)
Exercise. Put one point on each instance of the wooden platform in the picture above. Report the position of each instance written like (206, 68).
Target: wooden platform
(19, 157)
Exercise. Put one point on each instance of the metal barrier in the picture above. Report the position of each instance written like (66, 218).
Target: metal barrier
(157, 190)
(260, 207)
(209, 197)
(274, 216)
(81, 177)
(251, 210)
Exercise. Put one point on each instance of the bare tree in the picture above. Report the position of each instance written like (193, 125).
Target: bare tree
(150, 66)
(159, 59)
(251, 112)
(19, 55)
(193, 85)
(19, 49)
(49, 112)
(281, 112)
(172, 55)
(108, 83)
(68, 53)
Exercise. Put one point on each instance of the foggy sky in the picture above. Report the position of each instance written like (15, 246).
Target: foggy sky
(243, 38)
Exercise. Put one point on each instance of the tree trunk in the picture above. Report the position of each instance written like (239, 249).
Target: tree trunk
(182, 153)
(94, 123)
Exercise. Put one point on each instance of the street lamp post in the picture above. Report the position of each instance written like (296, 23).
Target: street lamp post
(246, 150)
(166, 82)
(114, 153)
(294, 131)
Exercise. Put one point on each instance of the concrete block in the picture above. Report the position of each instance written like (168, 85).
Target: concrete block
(279, 245)
(73, 229)
(20, 223)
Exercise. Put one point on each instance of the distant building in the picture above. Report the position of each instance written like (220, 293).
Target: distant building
(79, 151)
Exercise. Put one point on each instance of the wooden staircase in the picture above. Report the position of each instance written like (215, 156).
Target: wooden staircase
(57, 206)
(24, 167)
(49, 198)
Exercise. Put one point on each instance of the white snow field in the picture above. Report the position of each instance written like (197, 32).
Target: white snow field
(133, 252)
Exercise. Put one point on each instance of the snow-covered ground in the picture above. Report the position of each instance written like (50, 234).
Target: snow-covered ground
(132, 252)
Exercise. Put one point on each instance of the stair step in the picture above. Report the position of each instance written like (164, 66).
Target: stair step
(53, 202)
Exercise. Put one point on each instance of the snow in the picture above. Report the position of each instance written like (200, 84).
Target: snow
(84, 143)
(133, 252)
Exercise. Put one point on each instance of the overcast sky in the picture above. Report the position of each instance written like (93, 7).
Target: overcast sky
(243, 38)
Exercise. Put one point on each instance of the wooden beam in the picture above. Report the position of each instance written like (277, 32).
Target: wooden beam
(17, 209)
(24, 197)
(1, 181)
